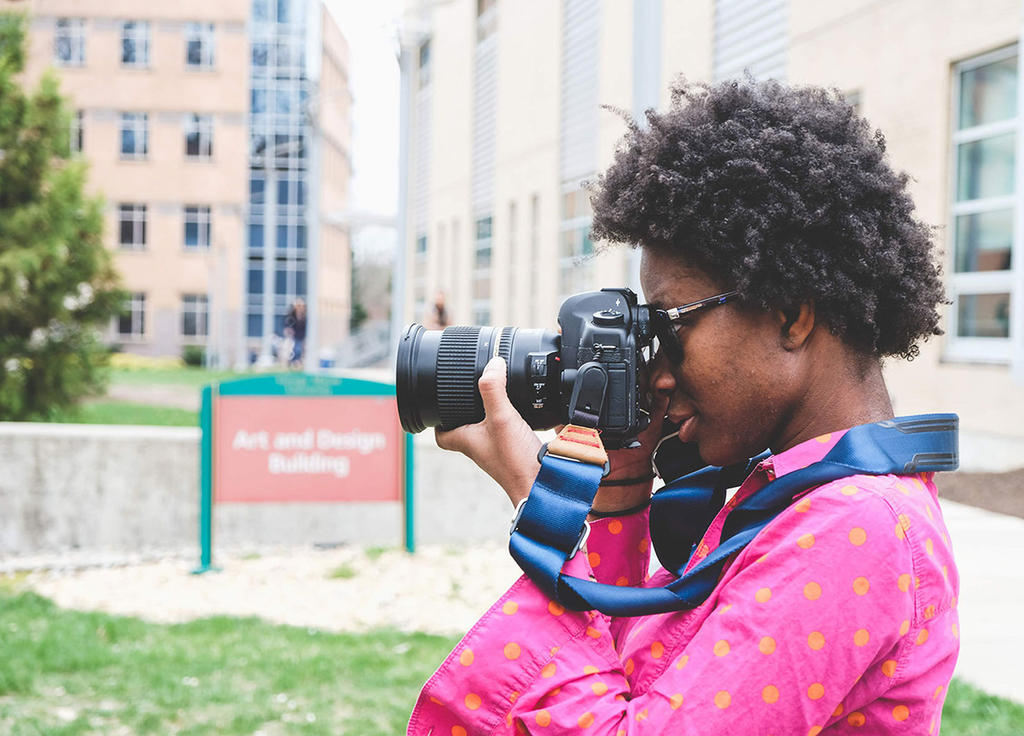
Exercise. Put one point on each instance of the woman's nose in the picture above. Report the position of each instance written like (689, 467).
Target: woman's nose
(662, 381)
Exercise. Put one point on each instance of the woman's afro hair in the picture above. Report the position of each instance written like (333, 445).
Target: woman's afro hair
(785, 194)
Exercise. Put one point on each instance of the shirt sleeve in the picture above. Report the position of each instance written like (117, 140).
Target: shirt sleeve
(804, 612)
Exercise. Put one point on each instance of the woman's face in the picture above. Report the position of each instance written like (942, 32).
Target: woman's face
(736, 385)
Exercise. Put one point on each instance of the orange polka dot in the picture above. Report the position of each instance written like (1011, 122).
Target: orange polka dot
(543, 718)
(902, 525)
(599, 688)
(922, 637)
(816, 640)
(861, 637)
(510, 607)
(806, 541)
(594, 559)
(555, 608)
(593, 633)
(553, 693)
(770, 694)
(435, 701)
(642, 715)
(849, 490)
(724, 609)
(676, 700)
(466, 658)
(901, 712)
(903, 582)
(630, 666)
(929, 547)
(549, 670)
(857, 536)
(766, 645)
(856, 719)
(812, 591)
(861, 585)
(721, 648)
(763, 595)
(815, 730)
(681, 662)
(889, 667)
(473, 701)
(458, 731)
(586, 720)
(723, 699)
(904, 627)
(929, 612)
(554, 650)
(644, 545)
(956, 631)
(590, 670)
(937, 692)
(945, 571)
(622, 580)
(928, 510)
(816, 691)
(513, 696)
(615, 526)
(823, 438)
(838, 711)
(512, 650)
(657, 649)
(803, 506)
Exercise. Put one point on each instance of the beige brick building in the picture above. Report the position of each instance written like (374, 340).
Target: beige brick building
(504, 124)
(167, 100)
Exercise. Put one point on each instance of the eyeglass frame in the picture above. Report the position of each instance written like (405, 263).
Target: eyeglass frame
(664, 318)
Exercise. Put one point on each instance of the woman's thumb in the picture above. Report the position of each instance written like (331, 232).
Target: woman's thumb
(492, 386)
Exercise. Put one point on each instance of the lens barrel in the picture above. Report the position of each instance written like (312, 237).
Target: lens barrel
(437, 373)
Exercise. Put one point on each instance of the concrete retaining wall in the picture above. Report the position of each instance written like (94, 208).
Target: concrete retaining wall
(67, 487)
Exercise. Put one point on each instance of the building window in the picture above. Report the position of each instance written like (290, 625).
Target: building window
(424, 65)
(194, 315)
(134, 135)
(132, 226)
(984, 207)
(421, 247)
(575, 249)
(197, 227)
(69, 42)
(199, 45)
(77, 134)
(199, 136)
(132, 322)
(135, 43)
(482, 272)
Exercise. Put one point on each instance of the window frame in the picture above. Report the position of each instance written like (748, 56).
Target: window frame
(998, 350)
(136, 315)
(139, 125)
(483, 273)
(137, 214)
(75, 35)
(577, 225)
(76, 134)
(202, 217)
(198, 306)
(135, 32)
(200, 125)
(205, 35)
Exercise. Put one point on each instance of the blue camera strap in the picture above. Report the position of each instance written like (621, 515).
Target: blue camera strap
(551, 525)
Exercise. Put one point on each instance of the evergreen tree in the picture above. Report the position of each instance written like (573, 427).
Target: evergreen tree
(58, 288)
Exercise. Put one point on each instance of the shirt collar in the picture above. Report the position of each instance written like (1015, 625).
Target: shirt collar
(800, 456)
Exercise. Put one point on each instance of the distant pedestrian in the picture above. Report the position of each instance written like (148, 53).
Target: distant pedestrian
(437, 318)
(295, 331)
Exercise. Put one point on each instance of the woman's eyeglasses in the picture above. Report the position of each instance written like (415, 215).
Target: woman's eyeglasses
(664, 321)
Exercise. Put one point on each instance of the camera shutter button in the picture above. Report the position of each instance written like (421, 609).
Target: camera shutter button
(609, 318)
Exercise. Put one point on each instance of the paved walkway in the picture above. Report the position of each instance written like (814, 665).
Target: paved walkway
(989, 550)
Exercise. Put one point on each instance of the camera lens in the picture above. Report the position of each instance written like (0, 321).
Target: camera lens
(438, 370)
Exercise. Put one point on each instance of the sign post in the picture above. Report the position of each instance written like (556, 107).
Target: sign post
(295, 438)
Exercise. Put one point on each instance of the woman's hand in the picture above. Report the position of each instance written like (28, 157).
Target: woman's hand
(503, 445)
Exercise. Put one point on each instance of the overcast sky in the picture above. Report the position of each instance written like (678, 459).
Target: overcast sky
(370, 28)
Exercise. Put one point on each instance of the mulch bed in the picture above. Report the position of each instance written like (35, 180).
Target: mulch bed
(1002, 492)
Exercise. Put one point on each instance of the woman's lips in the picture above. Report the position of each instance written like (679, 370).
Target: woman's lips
(688, 429)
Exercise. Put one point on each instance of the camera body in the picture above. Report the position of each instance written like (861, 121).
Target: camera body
(587, 374)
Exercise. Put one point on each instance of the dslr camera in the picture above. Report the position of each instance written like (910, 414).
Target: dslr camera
(587, 374)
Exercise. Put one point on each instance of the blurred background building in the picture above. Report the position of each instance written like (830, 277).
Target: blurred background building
(218, 134)
(503, 123)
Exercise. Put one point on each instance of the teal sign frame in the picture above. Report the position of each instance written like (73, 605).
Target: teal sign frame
(303, 385)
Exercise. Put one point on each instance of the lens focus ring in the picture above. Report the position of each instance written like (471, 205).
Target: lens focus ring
(458, 401)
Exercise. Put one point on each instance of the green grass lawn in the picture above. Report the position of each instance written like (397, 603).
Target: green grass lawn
(183, 376)
(65, 673)
(125, 412)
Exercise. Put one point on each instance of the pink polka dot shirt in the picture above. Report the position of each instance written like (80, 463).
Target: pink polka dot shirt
(838, 618)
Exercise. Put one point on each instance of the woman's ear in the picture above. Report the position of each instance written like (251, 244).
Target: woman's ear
(797, 324)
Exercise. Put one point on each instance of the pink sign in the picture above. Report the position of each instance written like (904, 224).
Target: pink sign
(282, 449)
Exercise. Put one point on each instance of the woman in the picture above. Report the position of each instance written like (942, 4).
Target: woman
(840, 615)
